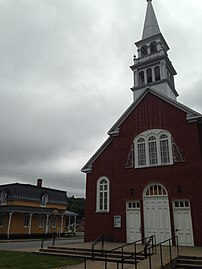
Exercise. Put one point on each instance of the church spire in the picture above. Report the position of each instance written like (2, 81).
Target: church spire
(151, 26)
(152, 67)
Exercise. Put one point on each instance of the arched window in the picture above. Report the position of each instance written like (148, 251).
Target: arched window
(149, 75)
(157, 73)
(143, 50)
(156, 190)
(141, 78)
(44, 199)
(141, 152)
(153, 47)
(103, 195)
(164, 149)
(152, 148)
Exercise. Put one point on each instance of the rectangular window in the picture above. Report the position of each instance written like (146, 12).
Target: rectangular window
(53, 221)
(105, 200)
(26, 220)
(41, 220)
(1, 220)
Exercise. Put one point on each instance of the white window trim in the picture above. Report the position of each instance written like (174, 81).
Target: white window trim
(53, 221)
(98, 210)
(26, 220)
(41, 221)
(145, 135)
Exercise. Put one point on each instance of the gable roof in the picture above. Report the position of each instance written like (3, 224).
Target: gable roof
(192, 115)
(18, 191)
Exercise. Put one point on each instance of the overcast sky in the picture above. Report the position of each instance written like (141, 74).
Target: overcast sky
(65, 79)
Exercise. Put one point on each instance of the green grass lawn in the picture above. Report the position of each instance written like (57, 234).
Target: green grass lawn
(27, 260)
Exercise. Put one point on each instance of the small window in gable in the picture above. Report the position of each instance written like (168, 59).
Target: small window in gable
(102, 195)
(153, 148)
(153, 47)
(44, 199)
(144, 50)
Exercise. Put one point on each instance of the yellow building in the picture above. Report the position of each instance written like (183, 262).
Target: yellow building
(32, 210)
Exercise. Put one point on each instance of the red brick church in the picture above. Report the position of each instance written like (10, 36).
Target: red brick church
(146, 179)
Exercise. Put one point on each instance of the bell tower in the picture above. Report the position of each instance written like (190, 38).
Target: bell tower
(152, 67)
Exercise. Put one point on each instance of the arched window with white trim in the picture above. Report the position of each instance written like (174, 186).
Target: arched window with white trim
(141, 151)
(153, 148)
(102, 195)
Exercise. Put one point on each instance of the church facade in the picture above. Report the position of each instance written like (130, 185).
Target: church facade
(146, 179)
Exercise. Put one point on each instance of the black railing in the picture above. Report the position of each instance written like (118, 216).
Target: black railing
(149, 245)
(168, 263)
(98, 240)
(150, 242)
(162, 246)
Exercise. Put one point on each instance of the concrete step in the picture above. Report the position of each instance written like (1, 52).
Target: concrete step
(188, 262)
(87, 254)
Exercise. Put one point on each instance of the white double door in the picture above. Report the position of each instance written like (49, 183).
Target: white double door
(133, 221)
(157, 217)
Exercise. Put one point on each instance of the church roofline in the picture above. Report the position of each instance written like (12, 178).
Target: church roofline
(87, 168)
(192, 116)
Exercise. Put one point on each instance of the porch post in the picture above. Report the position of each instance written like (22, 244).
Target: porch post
(9, 224)
(74, 224)
(61, 226)
(69, 224)
(30, 223)
(47, 218)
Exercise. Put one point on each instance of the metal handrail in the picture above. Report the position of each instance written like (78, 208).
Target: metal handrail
(135, 254)
(128, 244)
(99, 239)
(170, 250)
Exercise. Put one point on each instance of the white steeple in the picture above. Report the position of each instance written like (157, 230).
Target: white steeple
(152, 68)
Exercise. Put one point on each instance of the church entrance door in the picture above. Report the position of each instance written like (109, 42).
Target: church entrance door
(183, 222)
(156, 212)
(133, 221)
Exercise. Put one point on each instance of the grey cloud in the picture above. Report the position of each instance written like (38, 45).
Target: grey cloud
(65, 79)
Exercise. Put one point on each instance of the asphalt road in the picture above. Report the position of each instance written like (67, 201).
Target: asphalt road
(34, 245)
